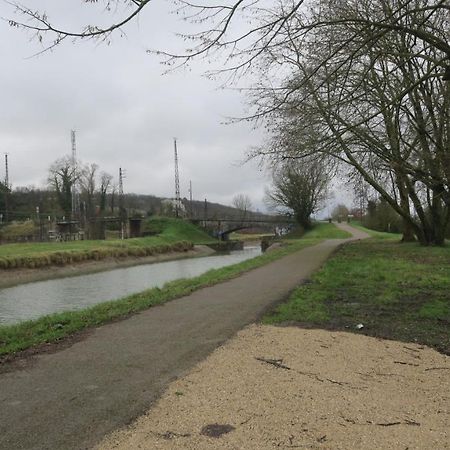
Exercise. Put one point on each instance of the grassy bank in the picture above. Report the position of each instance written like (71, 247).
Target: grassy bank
(376, 234)
(55, 327)
(320, 230)
(250, 236)
(397, 291)
(171, 235)
(325, 230)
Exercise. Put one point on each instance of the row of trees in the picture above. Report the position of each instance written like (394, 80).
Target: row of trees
(81, 187)
(97, 196)
(374, 103)
(359, 85)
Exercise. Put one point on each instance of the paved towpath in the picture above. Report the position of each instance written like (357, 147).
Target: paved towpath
(72, 398)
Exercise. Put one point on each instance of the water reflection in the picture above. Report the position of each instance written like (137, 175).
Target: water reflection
(33, 300)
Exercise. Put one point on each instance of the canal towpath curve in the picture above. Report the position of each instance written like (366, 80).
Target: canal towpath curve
(72, 398)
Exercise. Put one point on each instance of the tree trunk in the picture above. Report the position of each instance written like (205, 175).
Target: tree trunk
(408, 229)
(408, 232)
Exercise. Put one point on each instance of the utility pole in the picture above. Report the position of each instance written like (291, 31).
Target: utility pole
(6, 171)
(6, 187)
(190, 199)
(122, 210)
(177, 181)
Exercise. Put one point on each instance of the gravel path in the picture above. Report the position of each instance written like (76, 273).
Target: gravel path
(273, 387)
(285, 387)
(73, 398)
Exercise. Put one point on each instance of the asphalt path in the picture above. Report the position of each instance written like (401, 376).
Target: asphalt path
(72, 398)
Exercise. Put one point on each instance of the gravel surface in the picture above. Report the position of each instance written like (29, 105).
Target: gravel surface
(286, 387)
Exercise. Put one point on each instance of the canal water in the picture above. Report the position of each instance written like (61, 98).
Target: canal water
(33, 300)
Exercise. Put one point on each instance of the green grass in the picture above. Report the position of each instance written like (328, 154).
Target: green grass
(320, 230)
(52, 328)
(173, 235)
(325, 230)
(376, 234)
(173, 230)
(249, 236)
(396, 290)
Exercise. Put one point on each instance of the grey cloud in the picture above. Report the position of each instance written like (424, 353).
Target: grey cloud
(125, 112)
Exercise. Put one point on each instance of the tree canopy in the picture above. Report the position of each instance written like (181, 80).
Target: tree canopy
(364, 84)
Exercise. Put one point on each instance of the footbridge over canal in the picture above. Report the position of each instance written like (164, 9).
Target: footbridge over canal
(224, 226)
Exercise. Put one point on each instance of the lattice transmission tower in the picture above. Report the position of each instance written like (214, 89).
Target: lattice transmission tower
(8, 187)
(6, 172)
(122, 210)
(177, 181)
(75, 194)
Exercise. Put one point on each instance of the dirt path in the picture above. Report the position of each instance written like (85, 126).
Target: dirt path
(286, 387)
(73, 398)
(330, 390)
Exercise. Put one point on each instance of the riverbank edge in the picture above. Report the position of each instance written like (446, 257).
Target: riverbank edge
(14, 277)
(50, 333)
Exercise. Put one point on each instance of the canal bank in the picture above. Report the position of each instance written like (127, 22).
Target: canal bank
(13, 277)
(72, 398)
(32, 301)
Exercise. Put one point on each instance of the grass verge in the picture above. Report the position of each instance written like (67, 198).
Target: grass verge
(320, 230)
(396, 290)
(376, 234)
(325, 230)
(172, 235)
(53, 328)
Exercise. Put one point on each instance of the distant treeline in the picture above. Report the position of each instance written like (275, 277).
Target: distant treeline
(380, 216)
(30, 203)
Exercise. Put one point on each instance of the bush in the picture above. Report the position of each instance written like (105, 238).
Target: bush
(16, 230)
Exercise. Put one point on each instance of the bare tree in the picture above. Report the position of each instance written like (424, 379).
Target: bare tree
(299, 188)
(378, 107)
(243, 203)
(88, 175)
(340, 212)
(105, 187)
(243, 30)
(62, 177)
(370, 78)
(113, 197)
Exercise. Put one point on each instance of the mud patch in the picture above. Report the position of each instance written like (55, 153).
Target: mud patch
(215, 430)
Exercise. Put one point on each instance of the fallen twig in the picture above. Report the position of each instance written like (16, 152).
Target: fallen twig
(412, 422)
(410, 348)
(341, 383)
(406, 363)
(170, 435)
(382, 424)
(406, 422)
(437, 368)
(274, 362)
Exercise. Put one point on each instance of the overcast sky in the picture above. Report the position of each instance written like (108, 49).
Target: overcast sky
(124, 110)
